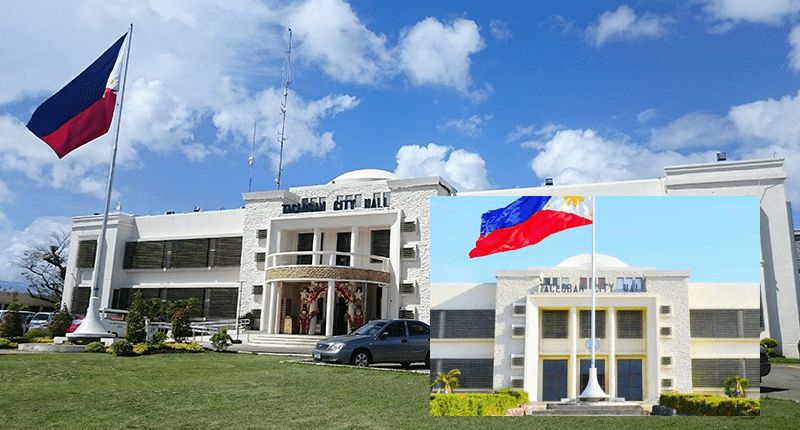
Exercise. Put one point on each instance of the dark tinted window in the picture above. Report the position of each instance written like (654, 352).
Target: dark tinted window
(417, 329)
(396, 329)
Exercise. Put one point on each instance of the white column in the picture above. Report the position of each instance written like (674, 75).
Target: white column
(317, 246)
(329, 308)
(271, 316)
(264, 308)
(353, 246)
(573, 390)
(278, 316)
(611, 321)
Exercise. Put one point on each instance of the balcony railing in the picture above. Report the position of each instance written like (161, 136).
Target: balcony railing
(328, 258)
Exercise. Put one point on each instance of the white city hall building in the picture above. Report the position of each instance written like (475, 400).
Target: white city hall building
(657, 331)
(312, 259)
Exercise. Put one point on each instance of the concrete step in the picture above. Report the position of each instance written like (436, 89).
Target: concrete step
(602, 409)
(284, 340)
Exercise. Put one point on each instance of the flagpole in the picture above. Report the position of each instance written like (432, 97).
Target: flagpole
(92, 326)
(593, 392)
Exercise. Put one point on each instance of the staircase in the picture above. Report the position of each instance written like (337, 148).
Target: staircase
(283, 343)
(591, 408)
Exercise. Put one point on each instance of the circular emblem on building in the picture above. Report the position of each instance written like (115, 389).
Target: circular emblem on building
(592, 346)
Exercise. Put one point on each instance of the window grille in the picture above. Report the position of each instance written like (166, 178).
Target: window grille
(406, 314)
(630, 324)
(714, 323)
(517, 383)
(518, 331)
(379, 244)
(519, 310)
(408, 227)
(666, 361)
(517, 361)
(408, 253)
(258, 290)
(261, 257)
(407, 288)
(262, 234)
(665, 310)
(666, 331)
(599, 324)
(555, 324)
(87, 250)
(666, 383)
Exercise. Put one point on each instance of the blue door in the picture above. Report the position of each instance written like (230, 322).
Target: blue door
(601, 373)
(554, 380)
(629, 379)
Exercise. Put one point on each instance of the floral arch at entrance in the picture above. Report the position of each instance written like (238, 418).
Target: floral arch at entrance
(353, 296)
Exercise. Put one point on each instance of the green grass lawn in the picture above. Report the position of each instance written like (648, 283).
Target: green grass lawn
(210, 390)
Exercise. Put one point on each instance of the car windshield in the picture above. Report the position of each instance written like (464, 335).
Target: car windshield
(371, 328)
(40, 317)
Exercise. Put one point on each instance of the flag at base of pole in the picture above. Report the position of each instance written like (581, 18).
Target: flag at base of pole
(529, 220)
(81, 111)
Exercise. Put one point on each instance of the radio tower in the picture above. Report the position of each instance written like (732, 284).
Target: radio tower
(287, 73)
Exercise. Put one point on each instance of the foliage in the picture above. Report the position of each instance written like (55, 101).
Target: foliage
(770, 344)
(221, 340)
(448, 381)
(5, 343)
(143, 348)
(735, 386)
(95, 347)
(62, 319)
(33, 333)
(122, 349)
(709, 404)
(181, 311)
(44, 266)
(157, 338)
(135, 330)
(784, 360)
(476, 404)
(12, 323)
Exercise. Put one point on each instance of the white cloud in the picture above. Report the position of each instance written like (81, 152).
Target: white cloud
(329, 32)
(646, 115)
(16, 242)
(500, 30)
(582, 156)
(465, 170)
(773, 121)
(764, 12)
(471, 127)
(625, 25)
(696, 129)
(794, 54)
(433, 53)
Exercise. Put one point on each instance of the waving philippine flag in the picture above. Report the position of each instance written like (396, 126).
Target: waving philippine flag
(82, 110)
(529, 220)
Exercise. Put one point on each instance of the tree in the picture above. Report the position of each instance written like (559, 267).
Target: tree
(44, 267)
(135, 331)
(448, 381)
(12, 323)
(62, 319)
(181, 311)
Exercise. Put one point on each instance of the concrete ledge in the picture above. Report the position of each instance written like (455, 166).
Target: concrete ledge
(50, 347)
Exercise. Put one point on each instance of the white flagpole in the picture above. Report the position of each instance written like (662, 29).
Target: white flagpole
(92, 326)
(593, 392)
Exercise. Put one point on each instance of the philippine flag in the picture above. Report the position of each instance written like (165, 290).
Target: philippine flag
(82, 110)
(529, 220)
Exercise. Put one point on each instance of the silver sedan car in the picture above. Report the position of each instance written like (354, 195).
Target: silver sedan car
(381, 341)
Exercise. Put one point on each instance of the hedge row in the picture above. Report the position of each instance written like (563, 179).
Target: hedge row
(126, 349)
(709, 404)
(476, 404)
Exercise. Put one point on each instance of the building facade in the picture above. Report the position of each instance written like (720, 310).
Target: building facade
(657, 332)
(313, 260)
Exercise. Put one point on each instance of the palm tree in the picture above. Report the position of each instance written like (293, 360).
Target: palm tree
(449, 381)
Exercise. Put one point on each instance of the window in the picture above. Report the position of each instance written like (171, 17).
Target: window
(417, 329)
(379, 244)
(395, 329)
(262, 234)
(666, 331)
(519, 310)
(630, 324)
(665, 310)
(408, 227)
(714, 372)
(555, 324)
(517, 383)
(343, 240)
(630, 284)
(517, 331)
(465, 324)
(714, 323)
(408, 253)
(407, 288)
(261, 257)
(666, 361)
(87, 250)
(406, 314)
(599, 324)
(600, 282)
(517, 360)
(305, 242)
(666, 383)
(258, 290)
(186, 253)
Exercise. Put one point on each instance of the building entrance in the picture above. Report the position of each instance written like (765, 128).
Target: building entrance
(629, 379)
(554, 380)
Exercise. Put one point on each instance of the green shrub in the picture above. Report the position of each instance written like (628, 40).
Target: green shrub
(95, 347)
(7, 344)
(62, 319)
(158, 338)
(770, 344)
(122, 349)
(11, 326)
(34, 333)
(134, 331)
(181, 311)
(221, 340)
(735, 386)
(709, 404)
(476, 404)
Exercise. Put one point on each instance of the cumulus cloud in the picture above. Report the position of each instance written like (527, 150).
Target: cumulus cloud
(500, 29)
(763, 12)
(463, 169)
(437, 54)
(471, 127)
(693, 130)
(623, 24)
(646, 115)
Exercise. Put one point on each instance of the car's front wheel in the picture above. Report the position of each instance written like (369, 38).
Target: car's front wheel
(361, 358)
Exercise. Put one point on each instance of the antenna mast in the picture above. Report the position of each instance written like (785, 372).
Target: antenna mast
(252, 157)
(287, 73)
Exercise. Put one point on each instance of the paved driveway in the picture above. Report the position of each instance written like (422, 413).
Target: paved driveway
(783, 382)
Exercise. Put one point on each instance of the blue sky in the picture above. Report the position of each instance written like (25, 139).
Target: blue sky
(717, 238)
(487, 95)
